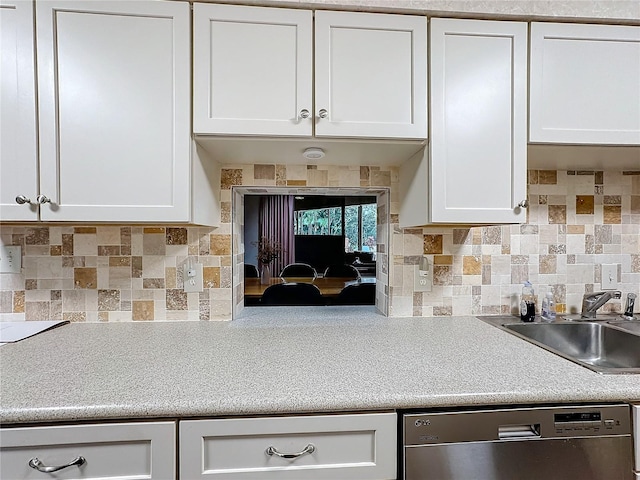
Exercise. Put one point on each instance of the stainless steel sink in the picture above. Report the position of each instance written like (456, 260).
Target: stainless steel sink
(633, 327)
(598, 346)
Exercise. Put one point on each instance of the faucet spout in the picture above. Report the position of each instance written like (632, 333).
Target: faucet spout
(593, 301)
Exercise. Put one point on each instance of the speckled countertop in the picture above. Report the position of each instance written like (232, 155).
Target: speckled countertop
(284, 361)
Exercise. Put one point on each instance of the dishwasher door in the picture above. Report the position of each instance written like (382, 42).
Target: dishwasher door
(550, 443)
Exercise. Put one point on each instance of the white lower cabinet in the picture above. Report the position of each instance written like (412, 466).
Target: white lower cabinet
(346, 447)
(143, 450)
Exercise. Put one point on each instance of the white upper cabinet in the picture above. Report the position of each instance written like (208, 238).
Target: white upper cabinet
(252, 70)
(253, 73)
(478, 142)
(370, 75)
(585, 84)
(114, 110)
(18, 138)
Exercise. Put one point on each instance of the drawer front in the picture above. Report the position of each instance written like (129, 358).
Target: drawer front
(120, 450)
(360, 446)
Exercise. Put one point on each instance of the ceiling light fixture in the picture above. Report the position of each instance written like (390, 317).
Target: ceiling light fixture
(313, 153)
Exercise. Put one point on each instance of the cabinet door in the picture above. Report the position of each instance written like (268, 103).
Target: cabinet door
(585, 84)
(144, 450)
(636, 436)
(478, 121)
(18, 149)
(113, 84)
(371, 75)
(361, 446)
(252, 70)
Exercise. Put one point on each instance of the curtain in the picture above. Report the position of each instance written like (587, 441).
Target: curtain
(275, 223)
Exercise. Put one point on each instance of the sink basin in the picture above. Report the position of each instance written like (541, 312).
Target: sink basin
(598, 346)
(633, 327)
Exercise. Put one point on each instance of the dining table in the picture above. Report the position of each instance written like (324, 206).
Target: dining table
(329, 286)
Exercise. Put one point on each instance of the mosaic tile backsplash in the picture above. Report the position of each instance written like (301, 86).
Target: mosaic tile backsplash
(577, 221)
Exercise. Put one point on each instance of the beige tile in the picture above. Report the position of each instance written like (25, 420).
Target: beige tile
(584, 204)
(176, 236)
(547, 177)
(612, 214)
(176, 299)
(37, 236)
(442, 275)
(432, 244)
(154, 243)
(85, 278)
(230, 177)
(220, 244)
(85, 230)
(557, 214)
(264, 172)
(108, 300)
(211, 277)
(548, 264)
(18, 301)
(471, 265)
(119, 261)
(143, 310)
(74, 316)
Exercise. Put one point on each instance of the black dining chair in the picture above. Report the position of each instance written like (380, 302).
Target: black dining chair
(358, 294)
(250, 271)
(292, 294)
(342, 270)
(299, 270)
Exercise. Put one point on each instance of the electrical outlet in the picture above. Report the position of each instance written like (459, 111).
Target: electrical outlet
(193, 277)
(423, 279)
(609, 276)
(10, 259)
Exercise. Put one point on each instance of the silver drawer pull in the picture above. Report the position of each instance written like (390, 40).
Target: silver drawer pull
(308, 449)
(38, 465)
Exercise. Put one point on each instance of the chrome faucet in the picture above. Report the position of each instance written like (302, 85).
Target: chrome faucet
(593, 301)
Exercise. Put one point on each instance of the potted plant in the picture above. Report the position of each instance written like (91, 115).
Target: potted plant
(268, 250)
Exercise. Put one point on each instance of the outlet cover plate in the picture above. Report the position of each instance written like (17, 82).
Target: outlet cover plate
(195, 282)
(10, 259)
(609, 276)
(423, 283)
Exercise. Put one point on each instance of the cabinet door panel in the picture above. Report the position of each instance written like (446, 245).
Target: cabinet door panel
(478, 139)
(114, 119)
(585, 84)
(252, 70)
(371, 75)
(361, 446)
(120, 450)
(18, 149)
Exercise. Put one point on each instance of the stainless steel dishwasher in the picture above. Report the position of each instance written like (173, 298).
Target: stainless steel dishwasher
(550, 443)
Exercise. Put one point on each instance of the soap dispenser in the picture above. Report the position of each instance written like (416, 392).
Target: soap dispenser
(548, 310)
(527, 303)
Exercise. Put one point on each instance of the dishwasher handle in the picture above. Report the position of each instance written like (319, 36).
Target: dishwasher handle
(526, 431)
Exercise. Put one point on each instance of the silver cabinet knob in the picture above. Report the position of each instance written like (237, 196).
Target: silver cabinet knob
(523, 204)
(304, 113)
(21, 200)
(322, 113)
(42, 199)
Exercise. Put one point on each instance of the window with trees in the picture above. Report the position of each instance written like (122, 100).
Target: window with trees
(359, 222)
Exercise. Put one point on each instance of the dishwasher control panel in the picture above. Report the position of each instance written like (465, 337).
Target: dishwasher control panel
(590, 422)
(516, 424)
